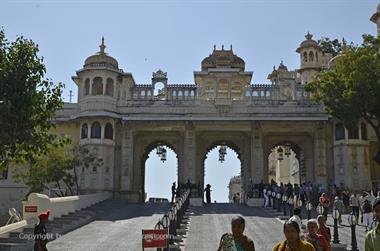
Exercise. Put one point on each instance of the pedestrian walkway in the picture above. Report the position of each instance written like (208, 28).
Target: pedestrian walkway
(210, 222)
(117, 226)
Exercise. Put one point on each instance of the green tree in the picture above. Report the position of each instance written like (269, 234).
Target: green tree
(56, 169)
(350, 90)
(333, 47)
(28, 101)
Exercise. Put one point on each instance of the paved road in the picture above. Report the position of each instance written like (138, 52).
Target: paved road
(344, 230)
(117, 227)
(209, 223)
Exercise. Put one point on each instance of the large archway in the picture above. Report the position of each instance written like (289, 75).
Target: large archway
(161, 170)
(146, 144)
(223, 172)
(302, 148)
(238, 142)
(286, 164)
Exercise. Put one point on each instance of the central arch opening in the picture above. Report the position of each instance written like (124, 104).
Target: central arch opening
(285, 163)
(161, 165)
(222, 170)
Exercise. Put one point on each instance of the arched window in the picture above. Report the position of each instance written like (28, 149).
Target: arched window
(96, 130)
(84, 132)
(353, 132)
(192, 93)
(109, 87)
(87, 87)
(316, 56)
(180, 93)
(339, 131)
(311, 56)
(108, 132)
(363, 128)
(305, 56)
(186, 93)
(97, 86)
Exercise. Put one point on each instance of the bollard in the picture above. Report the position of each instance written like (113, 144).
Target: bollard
(335, 216)
(353, 221)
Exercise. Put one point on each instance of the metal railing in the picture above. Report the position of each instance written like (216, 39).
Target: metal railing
(172, 219)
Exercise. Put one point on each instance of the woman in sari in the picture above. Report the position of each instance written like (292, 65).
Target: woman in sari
(317, 240)
(236, 241)
(323, 228)
(293, 241)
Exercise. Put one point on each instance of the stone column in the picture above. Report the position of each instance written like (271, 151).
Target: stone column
(126, 165)
(257, 153)
(189, 153)
(320, 161)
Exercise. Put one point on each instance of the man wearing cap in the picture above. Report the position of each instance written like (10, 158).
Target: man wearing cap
(372, 239)
(40, 232)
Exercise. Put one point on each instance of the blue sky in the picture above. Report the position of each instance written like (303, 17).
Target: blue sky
(176, 35)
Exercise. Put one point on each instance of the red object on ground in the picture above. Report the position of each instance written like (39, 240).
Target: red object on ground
(157, 238)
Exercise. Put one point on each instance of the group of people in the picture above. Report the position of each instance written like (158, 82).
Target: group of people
(316, 237)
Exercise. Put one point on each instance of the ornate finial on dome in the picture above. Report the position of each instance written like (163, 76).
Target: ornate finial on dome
(102, 46)
(308, 36)
(230, 47)
(222, 47)
(214, 47)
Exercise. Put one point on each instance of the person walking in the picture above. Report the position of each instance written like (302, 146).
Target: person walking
(367, 215)
(323, 229)
(354, 204)
(325, 202)
(318, 241)
(236, 241)
(293, 240)
(173, 191)
(208, 193)
(372, 239)
(40, 232)
(297, 217)
(338, 204)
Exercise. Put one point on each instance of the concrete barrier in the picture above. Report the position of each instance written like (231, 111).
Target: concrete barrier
(255, 202)
(60, 206)
(14, 227)
(196, 202)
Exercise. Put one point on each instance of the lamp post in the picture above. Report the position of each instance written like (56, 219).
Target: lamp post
(320, 209)
(335, 216)
(284, 199)
(309, 207)
(274, 199)
(278, 202)
(353, 221)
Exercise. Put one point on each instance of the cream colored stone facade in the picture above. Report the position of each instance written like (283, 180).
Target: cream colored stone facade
(234, 190)
(123, 121)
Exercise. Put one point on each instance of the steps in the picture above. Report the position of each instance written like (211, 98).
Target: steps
(23, 241)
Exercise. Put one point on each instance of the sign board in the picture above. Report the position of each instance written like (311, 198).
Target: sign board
(157, 238)
(30, 209)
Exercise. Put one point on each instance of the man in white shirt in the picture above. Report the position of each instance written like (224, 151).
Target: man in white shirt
(297, 217)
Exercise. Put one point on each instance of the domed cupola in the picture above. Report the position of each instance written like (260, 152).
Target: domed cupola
(101, 59)
(308, 43)
(223, 59)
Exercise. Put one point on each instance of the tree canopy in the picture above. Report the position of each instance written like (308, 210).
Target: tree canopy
(350, 90)
(56, 170)
(28, 101)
